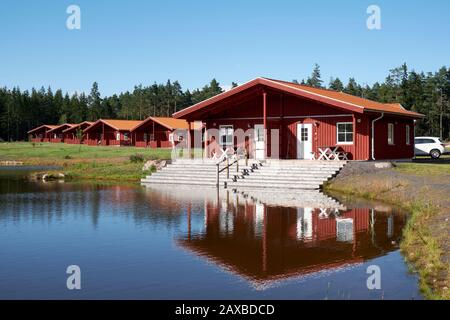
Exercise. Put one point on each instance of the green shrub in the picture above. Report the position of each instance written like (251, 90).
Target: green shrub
(137, 157)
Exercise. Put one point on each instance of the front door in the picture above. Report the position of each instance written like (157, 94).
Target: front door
(260, 145)
(304, 141)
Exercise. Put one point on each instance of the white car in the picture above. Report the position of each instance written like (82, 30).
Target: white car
(429, 146)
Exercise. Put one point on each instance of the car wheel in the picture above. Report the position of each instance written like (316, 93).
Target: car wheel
(435, 153)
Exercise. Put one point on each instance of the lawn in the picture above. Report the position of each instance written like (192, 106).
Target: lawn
(84, 162)
(424, 169)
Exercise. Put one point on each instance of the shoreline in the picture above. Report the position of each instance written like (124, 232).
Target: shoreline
(84, 163)
(425, 244)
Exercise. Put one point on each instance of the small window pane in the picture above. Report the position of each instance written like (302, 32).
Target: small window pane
(349, 137)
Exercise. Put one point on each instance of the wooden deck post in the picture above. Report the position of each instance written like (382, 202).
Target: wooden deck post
(265, 122)
(205, 143)
(189, 140)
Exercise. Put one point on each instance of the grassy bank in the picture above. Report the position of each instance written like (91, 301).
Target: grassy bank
(84, 162)
(425, 239)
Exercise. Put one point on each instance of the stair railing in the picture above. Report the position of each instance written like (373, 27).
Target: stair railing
(226, 157)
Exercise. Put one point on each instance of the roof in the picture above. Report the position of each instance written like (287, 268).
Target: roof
(121, 125)
(78, 125)
(169, 123)
(48, 126)
(69, 125)
(331, 97)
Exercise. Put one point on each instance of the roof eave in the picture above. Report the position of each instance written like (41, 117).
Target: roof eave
(100, 121)
(409, 115)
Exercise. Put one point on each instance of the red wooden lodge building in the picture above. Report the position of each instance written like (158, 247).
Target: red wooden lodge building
(71, 135)
(308, 119)
(110, 132)
(39, 134)
(159, 132)
(56, 134)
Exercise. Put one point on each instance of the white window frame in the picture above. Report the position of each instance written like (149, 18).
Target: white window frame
(408, 135)
(391, 134)
(118, 136)
(337, 133)
(226, 127)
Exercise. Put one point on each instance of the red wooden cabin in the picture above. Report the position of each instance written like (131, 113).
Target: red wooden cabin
(306, 119)
(110, 132)
(39, 134)
(70, 135)
(159, 132)
(56, 134)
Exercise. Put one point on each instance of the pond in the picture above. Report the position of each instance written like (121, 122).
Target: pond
(134, 242)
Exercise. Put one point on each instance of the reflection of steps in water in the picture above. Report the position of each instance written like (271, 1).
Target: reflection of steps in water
(310, 199)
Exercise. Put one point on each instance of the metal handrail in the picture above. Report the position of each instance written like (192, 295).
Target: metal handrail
(227, 167)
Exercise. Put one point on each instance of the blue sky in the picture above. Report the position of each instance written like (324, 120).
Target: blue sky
(124, 43)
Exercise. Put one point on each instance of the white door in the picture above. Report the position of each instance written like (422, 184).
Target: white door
(304, 141)
(259, 141)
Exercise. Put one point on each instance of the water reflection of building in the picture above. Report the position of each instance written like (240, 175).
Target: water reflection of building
(270, 243)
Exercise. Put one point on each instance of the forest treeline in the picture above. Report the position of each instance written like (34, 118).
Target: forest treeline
(20, 111)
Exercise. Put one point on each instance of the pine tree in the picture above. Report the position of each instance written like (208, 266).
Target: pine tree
(336, 84)
(353, 88)
(94, 103)
(315, 79)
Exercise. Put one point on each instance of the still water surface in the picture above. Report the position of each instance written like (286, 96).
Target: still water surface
(191, 243)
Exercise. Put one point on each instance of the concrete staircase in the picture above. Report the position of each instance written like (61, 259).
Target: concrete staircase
(269, 174)
(288, 174)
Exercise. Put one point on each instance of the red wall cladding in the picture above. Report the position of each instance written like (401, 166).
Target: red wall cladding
(400, 149)
(284, 112)
(246, 114)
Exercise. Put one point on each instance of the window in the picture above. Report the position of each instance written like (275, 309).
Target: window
(390, 133)
(425, 141)
(226, 135)
(118, 136)
(344, 132)
(259, 132)
(304, 134)
(125, 136)
(408, 138)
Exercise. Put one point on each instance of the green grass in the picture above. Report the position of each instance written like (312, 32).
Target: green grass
(423, 169)
(81, 162)
(423, 251)
(54, 152)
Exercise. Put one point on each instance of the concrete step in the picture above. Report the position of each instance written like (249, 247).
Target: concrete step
(203, 168)
(260, 176)
(287, 179)
(300, 186)
(293, 171)
(174, 182)
(183, 179)
(211, 171)
(299, 168)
